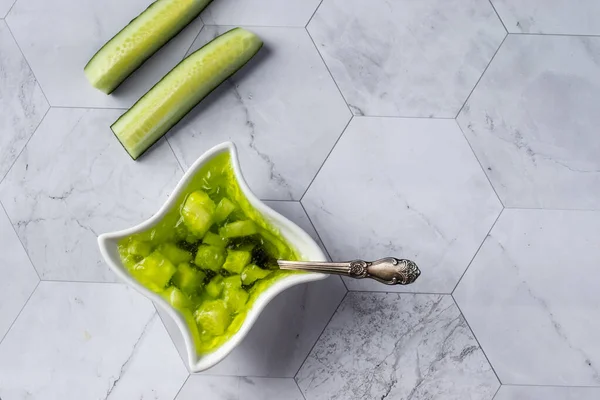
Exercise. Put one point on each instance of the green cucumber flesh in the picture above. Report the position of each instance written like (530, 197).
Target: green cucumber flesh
(183, 88)
(141, 38)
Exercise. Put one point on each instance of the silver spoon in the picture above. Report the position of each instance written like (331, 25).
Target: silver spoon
(389, 270)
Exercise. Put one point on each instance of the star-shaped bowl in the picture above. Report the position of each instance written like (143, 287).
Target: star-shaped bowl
(304, 244)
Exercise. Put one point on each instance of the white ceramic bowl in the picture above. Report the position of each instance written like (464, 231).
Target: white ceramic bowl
(305, 245)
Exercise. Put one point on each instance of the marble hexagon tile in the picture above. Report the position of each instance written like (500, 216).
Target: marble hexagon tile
(260, 12)
(89, 341)
(18, 276)
(397, 346)
(74, 181)
(530, 296)
(22, 103)
(58, 51)
(409, 188)
(550, 16)
(547, 393)
(217, 388)
(282, 110)
(533, 122)
(289, 326)
(406, 58)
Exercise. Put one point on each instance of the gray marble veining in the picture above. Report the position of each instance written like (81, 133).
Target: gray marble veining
(530, 294)
(550, 16)
(405, 188)
(422, 348)
(406, 58)
(264, 109)
(230, 388)
(74, 181)
(22, 103)
(533, 122)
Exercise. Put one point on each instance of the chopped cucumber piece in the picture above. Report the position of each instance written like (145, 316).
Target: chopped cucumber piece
(235, 299)
(154, 271)
(176, 298)
(236, 260)
(224, 208)
(197, 212)
(238, 229)
(210, 257)
(275, 247)
(135, 43)
(188, 279)
(212, 239)
(139, 248)
(174, 253)
(182, 88)
(252, 273)
(215, 286)
(213, 317)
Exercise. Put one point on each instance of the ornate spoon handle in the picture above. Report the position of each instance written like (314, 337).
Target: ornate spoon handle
(389, 270)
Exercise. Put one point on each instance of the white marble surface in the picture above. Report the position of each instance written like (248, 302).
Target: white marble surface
(531, 296)
(260, 12)
(406, 58)
(99, 341)
(74, 181)
(422, 348)
(230, 388)
(18, 276)
(58, 50)
(533, 122)
(547, 393)
(288, 327)
(408, 188)
(550, 16)
(22, 102)
(282, 110)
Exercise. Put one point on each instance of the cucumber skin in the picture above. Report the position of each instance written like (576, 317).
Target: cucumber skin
(177, 121)
(150, 55)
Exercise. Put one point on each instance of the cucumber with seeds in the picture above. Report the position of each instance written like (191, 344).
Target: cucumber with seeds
(181, 89)
(141, 38)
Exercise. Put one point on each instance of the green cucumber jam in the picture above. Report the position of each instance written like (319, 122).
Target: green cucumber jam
(211, 256)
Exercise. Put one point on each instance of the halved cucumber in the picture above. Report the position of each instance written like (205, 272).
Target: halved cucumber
(182, 88)
(141, 38)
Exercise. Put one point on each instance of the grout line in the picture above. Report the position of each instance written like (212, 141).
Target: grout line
(37, 81)
(498, 15)
(84, 282)
(476, 340)
(476, 252)
(497, 391)
(6, 16)
(19, 314)
(554, 209)
(402, 293)
(326, 158)
(329, 71)
(481, 76)
(551, 386)
(298, 386)
(20, 242)
(256, 26)
(313, 15)
(320, 334)
(179, 391)
(90, 108)
(553, 34)
(480, 164)
(194, 41)
(402, 117)
(321, 240)
(174, 155)
(24, 146)
(285, 200)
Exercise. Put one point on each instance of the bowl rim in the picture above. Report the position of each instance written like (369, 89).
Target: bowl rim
(198, 363)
